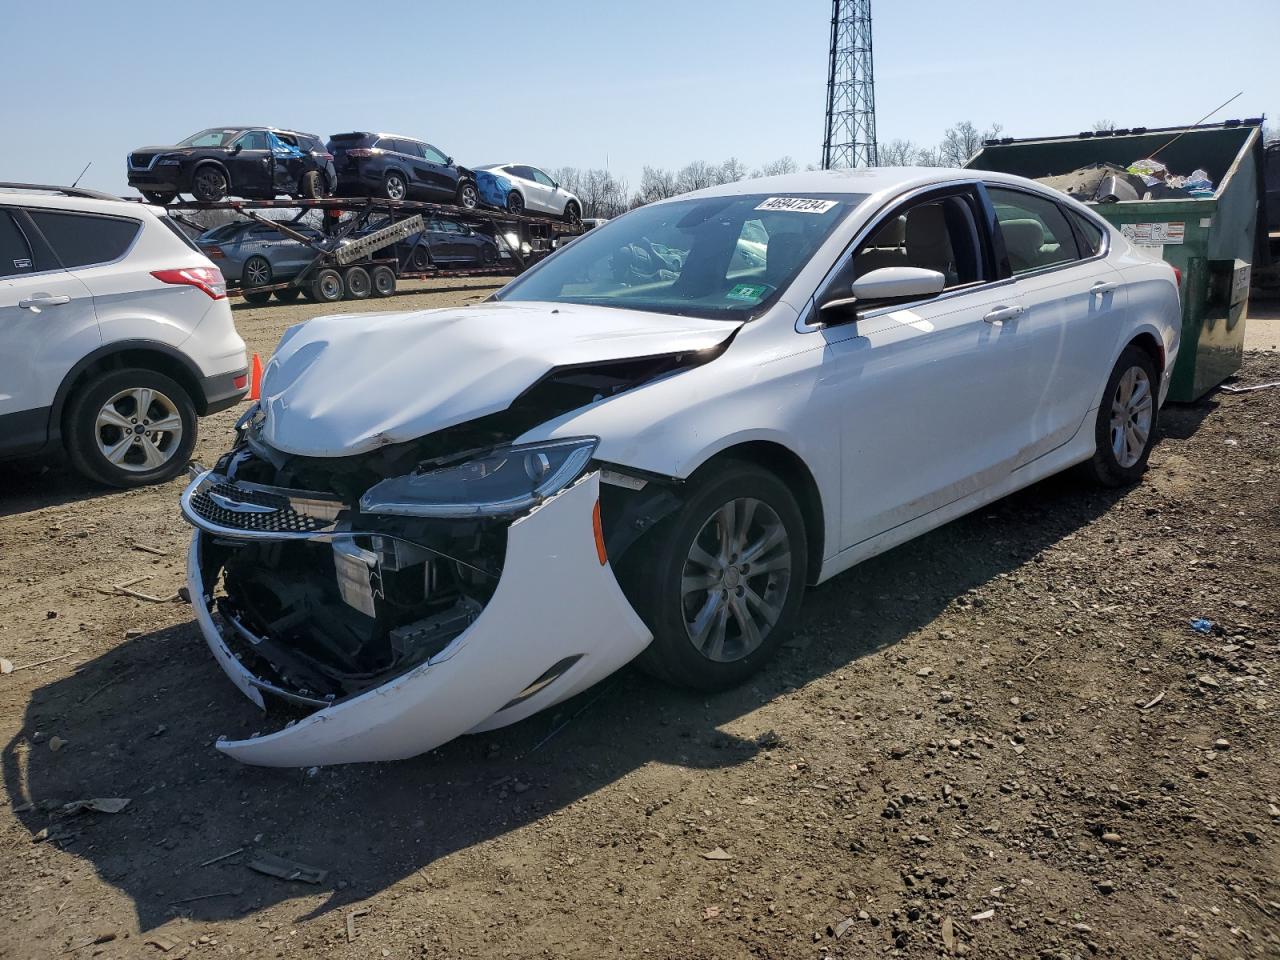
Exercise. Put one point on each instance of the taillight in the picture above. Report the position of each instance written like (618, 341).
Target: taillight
(208, 279)
(1177, 277)
(361, 152)
(322, 156)
(213, 252)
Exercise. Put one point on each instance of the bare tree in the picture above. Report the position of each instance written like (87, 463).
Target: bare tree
(962, 141)
(897, 153)
(731, 171)
(696, 175)
(930, 157)
(1103, 126)
(776, 168)
(655, 184)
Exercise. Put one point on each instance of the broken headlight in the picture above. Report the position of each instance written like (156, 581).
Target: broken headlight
(497, 483)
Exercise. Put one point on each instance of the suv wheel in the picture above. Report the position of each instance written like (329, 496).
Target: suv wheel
(467, 195)
(129, 428)
(209, 185)
(160, 197)
(311, 185)
(394, 186)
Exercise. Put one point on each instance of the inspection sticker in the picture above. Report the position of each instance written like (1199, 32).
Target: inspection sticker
(748, 292)
(1154, 232)
(798, 204)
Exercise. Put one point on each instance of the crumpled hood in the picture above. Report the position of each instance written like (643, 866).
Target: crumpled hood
(347, 384)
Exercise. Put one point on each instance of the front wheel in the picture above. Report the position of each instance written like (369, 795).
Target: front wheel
(209, 185)
(719, 582)
(1125, 429)
(572, 214)
(160, 197)
(515, 203)
(128, 428)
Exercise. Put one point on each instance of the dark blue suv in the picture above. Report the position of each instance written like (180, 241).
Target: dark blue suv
(399, 168)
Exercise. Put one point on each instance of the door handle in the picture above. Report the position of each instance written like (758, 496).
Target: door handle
(42, 300)
(1001, 314)
(1105, 286)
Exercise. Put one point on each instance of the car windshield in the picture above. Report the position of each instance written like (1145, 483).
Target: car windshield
(209, 138)
(726, 257)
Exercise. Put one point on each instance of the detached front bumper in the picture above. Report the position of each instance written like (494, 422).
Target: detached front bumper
(557, 623)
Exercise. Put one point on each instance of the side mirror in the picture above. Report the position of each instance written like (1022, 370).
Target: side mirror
(887, 286)
(236, 149)
(448, 161)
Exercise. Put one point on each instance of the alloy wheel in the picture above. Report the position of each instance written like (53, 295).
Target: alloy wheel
(469, 196)
(735, 580)
(138, 429)
(1132, 409)
(257, 272)
(396, 189)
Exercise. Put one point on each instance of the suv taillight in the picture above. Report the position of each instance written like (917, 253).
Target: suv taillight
(361, 152)
(322, 155)
(208, 279)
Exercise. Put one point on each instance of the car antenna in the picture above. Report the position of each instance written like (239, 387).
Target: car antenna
(1197, 123)
(82, 173)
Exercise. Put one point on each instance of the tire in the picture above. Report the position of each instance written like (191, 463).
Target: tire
(468, 196)
(327, 287)
(573, 214)
(102, 414)
(488, 255)
(395, 186)
(383, 280)
(420, 258)
(257, 297)
(1125, 430)
(256, 272)
(515, 203)
(160, 197)
(654, 575)
(311, 185)
(288, 294)
(357, 282)
(209, 184)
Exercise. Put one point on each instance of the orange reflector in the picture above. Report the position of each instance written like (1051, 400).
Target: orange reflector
(599, 531)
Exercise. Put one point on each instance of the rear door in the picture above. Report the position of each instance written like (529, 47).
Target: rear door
(47, 324)
(1075, 303)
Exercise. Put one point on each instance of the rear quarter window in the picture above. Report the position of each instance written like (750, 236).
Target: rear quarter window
(83, 239)
(1090, 234)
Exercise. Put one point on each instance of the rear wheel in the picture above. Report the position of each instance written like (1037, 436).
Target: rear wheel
(468, 196)
(489, 254)
(1125, 429)
(327, 287)
(311, 185)
(420, 258)
(719, 582)
(394, 186)
(383, 280)
(209, 185)
(288, 294)
(357, 283)
(128, 428)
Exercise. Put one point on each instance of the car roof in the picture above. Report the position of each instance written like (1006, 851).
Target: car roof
(856, 181)
(38, 197)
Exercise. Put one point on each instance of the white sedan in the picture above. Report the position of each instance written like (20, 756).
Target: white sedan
(535, 191)
(650, 443)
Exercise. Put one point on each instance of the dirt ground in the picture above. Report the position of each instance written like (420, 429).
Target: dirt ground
(1002, 740)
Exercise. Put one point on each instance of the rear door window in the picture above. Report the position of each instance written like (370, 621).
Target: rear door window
(254, 140)
(83, 239)
(1036, 232)
(16, 258)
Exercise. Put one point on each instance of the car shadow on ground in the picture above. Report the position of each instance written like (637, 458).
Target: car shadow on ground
(140, 722)
(30, 485)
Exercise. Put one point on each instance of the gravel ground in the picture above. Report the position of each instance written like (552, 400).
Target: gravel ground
(1002, 740)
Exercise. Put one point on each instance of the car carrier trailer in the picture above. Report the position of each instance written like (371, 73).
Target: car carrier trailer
(353, 263)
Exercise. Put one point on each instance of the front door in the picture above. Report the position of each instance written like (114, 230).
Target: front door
(439, 174)
(251, 165)
(929, 415)
(47, 323)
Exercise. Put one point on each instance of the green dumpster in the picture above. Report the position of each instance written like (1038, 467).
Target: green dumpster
(1213, 240)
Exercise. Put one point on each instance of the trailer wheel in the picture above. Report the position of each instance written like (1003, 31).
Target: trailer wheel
(383, 280)
(288, 294)
(327, 287)
(357, 282)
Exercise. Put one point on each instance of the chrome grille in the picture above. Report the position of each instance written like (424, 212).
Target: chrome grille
(218, 504)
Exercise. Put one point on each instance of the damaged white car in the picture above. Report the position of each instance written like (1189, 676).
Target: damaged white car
(443, 521)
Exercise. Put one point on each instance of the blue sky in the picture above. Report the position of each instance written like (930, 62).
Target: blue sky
(573, 82)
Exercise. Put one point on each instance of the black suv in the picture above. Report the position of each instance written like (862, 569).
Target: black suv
(399, 168)
(256, 163)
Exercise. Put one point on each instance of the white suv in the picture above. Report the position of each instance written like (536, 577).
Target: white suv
(115, 333)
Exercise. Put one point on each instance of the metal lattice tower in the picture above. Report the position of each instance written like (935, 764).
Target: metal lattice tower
(851, 92)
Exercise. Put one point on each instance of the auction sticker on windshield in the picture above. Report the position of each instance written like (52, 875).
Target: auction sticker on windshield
(749, 292)
(798, 204)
